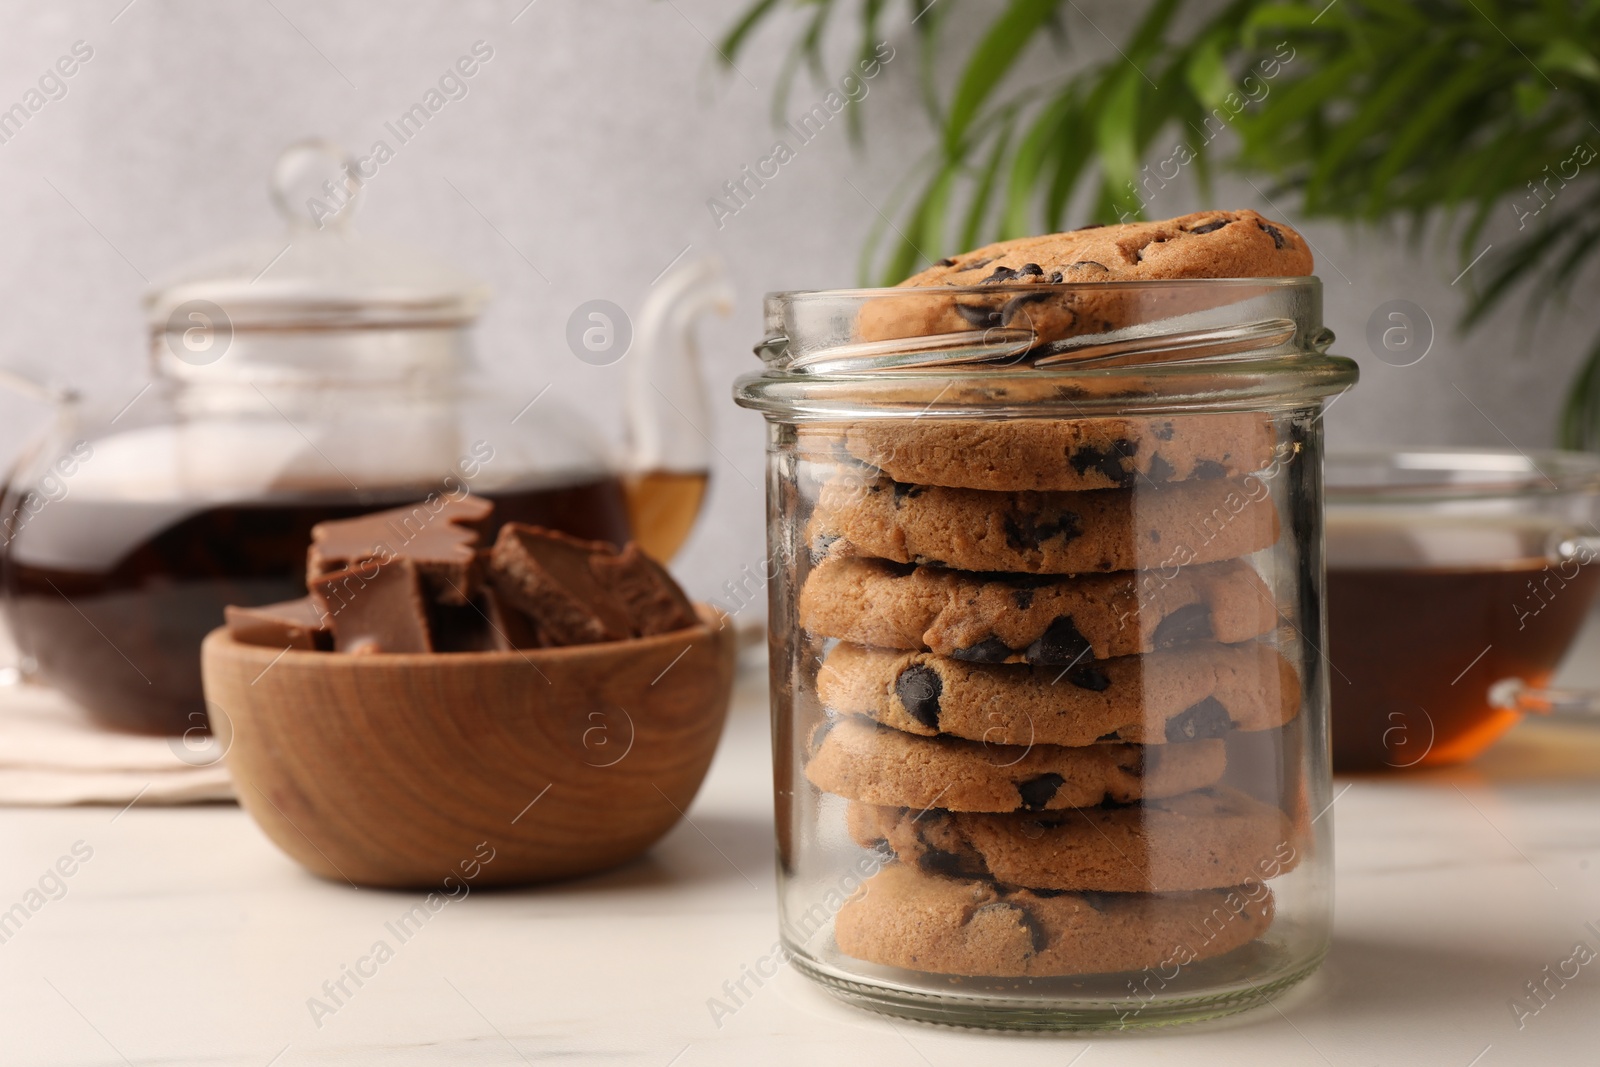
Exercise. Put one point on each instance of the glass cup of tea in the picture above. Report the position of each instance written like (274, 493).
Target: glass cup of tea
(1457, 580)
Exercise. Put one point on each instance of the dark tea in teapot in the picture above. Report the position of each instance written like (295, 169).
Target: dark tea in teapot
(109, 600)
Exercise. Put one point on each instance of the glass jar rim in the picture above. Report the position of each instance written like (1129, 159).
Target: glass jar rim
(828, 357)
(1405, 474)
(1301, 282)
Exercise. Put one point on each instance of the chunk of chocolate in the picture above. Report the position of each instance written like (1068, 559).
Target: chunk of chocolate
(648, 594)
(435, 534)
(509, 628)
(291, 624)
(547, 574)
(919, 688)
(374, 607)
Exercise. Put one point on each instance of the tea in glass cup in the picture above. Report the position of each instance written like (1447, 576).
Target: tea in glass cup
(1457, 580)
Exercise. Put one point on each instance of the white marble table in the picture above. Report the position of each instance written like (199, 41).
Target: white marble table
(186, 938)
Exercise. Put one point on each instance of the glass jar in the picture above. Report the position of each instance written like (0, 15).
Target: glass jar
(1049, 710)
(317, 375)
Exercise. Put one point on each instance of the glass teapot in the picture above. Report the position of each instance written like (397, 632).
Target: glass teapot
(319, 375)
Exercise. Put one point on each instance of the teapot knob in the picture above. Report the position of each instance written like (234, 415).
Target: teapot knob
(315, 185)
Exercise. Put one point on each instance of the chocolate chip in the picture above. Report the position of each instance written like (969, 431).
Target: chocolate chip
(938, 861)
(1206, 719)
(1036, 793)
(947, 262)
(1083, 263)
(1134, 765)
(1090, 226)
(1030, 269)
(1019, 532)
(1001, 273)
(1155, 537)
(1024, 581)
(1160, 470)
(1277, 234)
(1163, 431)
(979, 316)
(1089, 677)
(977, 264)
(1097, 900)
(919, 688)
(1209, 469)
(1211, 227)
(1023, 597)
(1108, 462)
(1055, 277)
(820, 734)
(904, 490)
(1192, 622)
(989, 650)
(1036, 933)
(1009, 310)
(1061, 643)
(1112, 736)
(1027, 530)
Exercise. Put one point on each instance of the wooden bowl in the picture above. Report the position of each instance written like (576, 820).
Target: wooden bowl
(407, 770)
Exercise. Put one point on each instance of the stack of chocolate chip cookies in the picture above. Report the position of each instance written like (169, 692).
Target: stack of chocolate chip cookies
(1031, 671)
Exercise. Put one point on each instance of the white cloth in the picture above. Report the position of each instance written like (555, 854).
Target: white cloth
(51, 755)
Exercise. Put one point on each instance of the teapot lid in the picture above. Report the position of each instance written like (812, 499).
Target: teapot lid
(320, 273)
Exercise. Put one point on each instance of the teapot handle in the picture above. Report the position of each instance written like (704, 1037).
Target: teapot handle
(22, 385)
(666, 410)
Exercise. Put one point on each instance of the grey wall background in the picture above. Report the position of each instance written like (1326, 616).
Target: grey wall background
(592, 141)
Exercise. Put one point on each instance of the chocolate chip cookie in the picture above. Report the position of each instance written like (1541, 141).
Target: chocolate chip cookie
(1008, 283)
(1201, 691)
(1045, 532)
(1207, 839)
(1065, 454)
(861, 760)
(904, 918)
(985, 618)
